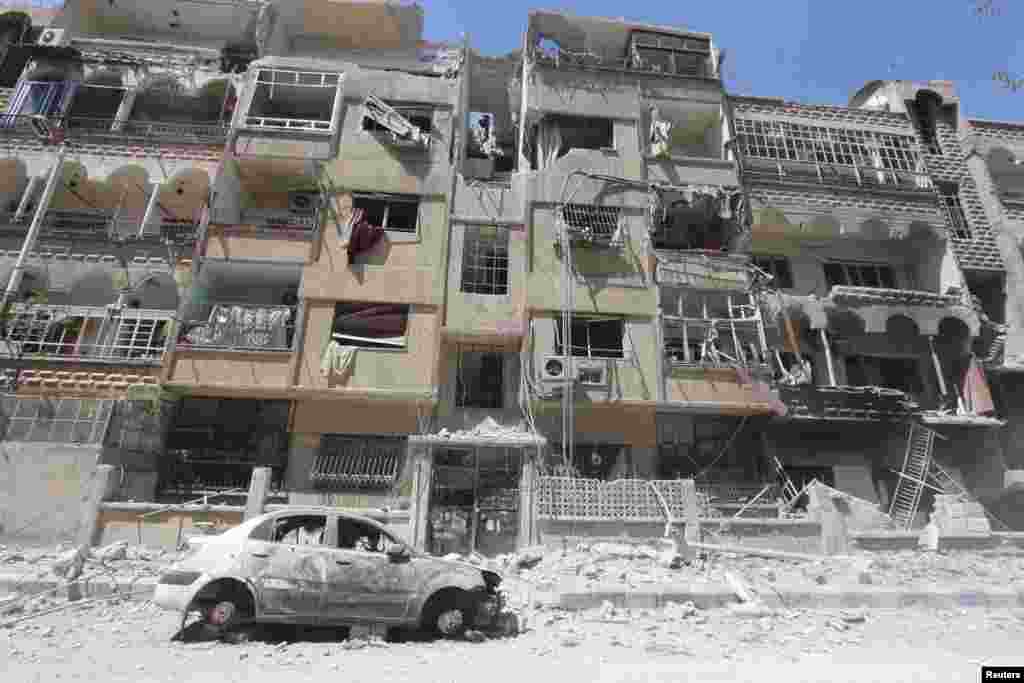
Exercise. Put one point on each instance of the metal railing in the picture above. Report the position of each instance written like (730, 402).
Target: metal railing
(567, 59)
(570, 498)
(276, 223)
(241, 327)
(196, 471)
(101, 225)
(127, 335)
(177, 132)
(891, 297)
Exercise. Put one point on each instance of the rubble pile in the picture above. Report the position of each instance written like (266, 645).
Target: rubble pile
(119, 560)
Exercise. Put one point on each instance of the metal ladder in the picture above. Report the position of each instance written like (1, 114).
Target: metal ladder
(916, 464)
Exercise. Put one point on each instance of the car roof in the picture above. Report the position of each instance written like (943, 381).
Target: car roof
(319, 510)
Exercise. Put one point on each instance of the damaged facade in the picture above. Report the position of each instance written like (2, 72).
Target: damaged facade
(514, 295)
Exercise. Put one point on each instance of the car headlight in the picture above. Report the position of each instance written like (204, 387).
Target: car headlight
(178, 578)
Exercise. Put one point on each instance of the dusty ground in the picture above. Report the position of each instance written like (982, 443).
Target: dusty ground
(131, 642)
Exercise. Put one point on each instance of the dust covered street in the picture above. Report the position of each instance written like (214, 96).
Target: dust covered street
(131, 641)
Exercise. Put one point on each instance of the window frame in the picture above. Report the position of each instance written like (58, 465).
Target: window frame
(589, 321)
(463, 395)
(409, 110)
(485, 245)
(388, 200)
(848, 266)
(370, 344)
(352, 453)
(257, 122)
(382, 535)
(952, 205)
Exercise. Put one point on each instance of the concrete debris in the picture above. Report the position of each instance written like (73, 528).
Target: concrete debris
(488, 429)
(740, 588)
(70, 563)
(115, 551)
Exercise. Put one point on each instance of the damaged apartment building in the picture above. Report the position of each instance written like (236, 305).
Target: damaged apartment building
(506, 296)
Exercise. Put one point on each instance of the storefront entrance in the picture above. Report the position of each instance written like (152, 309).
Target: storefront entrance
(474, 500)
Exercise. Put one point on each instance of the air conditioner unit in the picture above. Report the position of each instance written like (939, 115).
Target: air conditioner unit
(51, 37)
(554, 369)
(303, 202)
(591, 373)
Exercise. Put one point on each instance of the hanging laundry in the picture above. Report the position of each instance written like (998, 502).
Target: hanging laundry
(337, 359)
(977, 394)
(362, 235)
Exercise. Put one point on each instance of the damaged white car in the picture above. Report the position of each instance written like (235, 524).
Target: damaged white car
(327, 568)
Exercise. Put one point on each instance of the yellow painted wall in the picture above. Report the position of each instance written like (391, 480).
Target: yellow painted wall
(231, 368)
(241, 242)
(410, 369)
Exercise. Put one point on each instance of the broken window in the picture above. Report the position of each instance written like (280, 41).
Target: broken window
(700, 218)
(989, 289)
(357, 462)
(395, 213)
(592, 223)
(293, 100)
(479, 380)
(485, 261)
(295, 530)
(778, 268)
(44, 98)
(926, 127)
(483, 139)
(949, 196)
(95, 106)
(711, 328)
(370, 326)
(827, 154)
(593, 337)
(853, 274)
(670, 54)
(902, 374)
(557, 134)
(402, 123)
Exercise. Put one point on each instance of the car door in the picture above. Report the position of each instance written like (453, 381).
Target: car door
(363, 582)
(286, 561)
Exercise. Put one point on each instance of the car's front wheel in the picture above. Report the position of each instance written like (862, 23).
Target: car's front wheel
(447, 613)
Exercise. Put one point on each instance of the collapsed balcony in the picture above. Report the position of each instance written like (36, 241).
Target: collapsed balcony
(268, 198)
(699, 218)
(241, 327)
(564, 41)
(800, 153)
(85, 333)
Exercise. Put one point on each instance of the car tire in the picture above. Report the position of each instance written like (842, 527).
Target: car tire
(222, 616)
(447, 615)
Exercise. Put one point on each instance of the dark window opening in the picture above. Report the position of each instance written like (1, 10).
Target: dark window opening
(926, 127)
(582, 132)
(949, 195)
(860, 275)
(989, 289)
(597, 461)
(395, 213)
(370, 326)
(485, 261)
(417, 116)
(590, 338)
(903, 374)
(778, 268)
(479, 381)
(13, 60)
(297, 530)
(670, 54)
(95, 102)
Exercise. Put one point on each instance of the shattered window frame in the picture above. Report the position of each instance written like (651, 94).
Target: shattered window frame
(419, 115)
(485, 261)
(351, 309)
(328, 82)
(378, 207)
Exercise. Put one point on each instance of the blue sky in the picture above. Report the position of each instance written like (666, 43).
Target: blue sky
(820, 52)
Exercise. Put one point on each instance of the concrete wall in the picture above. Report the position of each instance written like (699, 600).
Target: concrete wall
(42, 487)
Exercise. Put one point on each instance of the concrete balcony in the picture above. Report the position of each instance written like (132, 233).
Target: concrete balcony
(275, 234)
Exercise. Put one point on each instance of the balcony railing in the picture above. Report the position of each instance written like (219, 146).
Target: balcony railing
(821, 173)
(858, 403)
(100, 225)
(84, 333)
(241, 327)
(176, 132)
(278, 223)
(197, 471)
(878, 296)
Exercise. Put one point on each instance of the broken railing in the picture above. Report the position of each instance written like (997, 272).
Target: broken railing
(177, 132)
(275, 223)
(637, 500)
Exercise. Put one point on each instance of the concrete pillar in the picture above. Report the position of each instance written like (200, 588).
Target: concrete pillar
(259, 489)
(419, 509)
(692, 533)
(830, 511)
(100, 485)
(527, 500)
